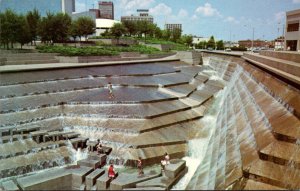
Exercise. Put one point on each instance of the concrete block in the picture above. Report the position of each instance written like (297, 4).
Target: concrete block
(79, 174)
(91, 178)
(98, 157)
(103, 182)
(175, 166)
(164, 181)
(89, 163)
(146, 188)
(130, 180)
(190, 57)
(10, 185)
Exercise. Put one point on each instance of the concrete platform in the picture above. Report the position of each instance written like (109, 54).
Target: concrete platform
(10, 185)
(163, 181)
(91, 178)
(79, 176)
(130, 180)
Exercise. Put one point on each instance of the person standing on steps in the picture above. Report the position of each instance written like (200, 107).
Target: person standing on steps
(140, 166)
(99, 147)
(167, 158)
(110, 89)
(111, 172)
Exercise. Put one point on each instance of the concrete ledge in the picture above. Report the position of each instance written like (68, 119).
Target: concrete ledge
(103, 182)
(79, 174)
(130, 180)
(54, 179)
(10, 185)
(145, 188)
(174, 168)
(237, 54)
(91, 178)
(190, 57)
(18, 68)
(286, 75)
(163, 182)
(285, 55)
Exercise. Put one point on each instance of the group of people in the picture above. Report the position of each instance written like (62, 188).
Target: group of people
(112, 173)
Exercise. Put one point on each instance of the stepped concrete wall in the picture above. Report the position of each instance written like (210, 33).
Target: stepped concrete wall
(255, 143)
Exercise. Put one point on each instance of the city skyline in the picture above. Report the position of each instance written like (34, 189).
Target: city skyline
(233, 21)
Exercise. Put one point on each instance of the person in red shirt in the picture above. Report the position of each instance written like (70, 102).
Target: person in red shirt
(111, 172)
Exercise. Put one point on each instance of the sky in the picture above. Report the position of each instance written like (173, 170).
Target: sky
(225, 19)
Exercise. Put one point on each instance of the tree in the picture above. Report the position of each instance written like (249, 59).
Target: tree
(85, 26)
(61, 25)
(33, 18)
(211, 43)
(118, 30)
(201, 45)
(166, 34)
(220, 45)
(131, 27)
(188, 40)
(9, 24)
(158, 33)
(145, 27)
(54, 28)
(23, 31)
(176, 34)
(73, 30)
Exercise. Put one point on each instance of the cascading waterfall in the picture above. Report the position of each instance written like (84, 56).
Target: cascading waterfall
(198, 147)
(221, 122)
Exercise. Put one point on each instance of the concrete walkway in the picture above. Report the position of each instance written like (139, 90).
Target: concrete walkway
(19, 68)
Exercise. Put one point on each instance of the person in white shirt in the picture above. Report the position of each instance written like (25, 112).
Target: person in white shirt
(110, 89)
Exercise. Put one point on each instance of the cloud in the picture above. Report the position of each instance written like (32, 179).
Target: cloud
(161, 9)
(231, 20)
(207, 10)
(135, 4)
(296, 1)
(280, 16)
(182, 13)
(194, 17)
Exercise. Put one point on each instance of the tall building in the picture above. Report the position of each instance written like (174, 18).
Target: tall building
(292, 33)
(171, 27)
(43, 6)
(106, 9)
(143, 16)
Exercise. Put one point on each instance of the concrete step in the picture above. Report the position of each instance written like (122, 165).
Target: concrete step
(125, 180)
(89, 163)
(10, 185)
(36, 161)
(283, 122)
(96, 156)
(282, 153)
(284, 55)
(174, 168)
(21, 62)
(31, 58)
(164, 182)
(90, 179)
(79, 176)
(275, 175)
(25, 55)
(103, 182)
(255, 185)
(286, 69)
